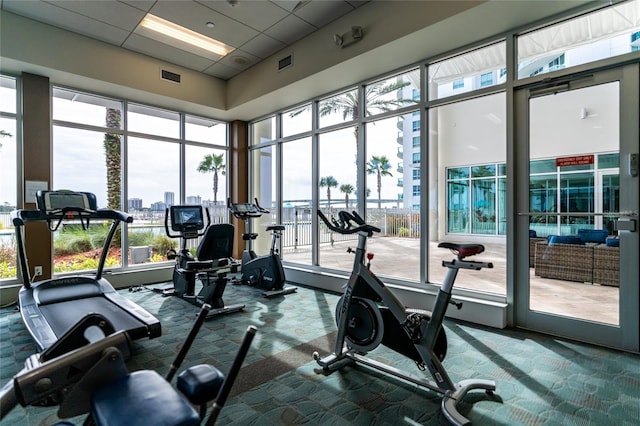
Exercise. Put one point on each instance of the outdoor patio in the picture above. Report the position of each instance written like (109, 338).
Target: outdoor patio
(398, 258)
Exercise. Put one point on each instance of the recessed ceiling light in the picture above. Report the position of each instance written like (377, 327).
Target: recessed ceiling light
(210, 24)
(167, 28)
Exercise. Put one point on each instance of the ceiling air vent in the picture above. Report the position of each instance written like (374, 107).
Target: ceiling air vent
(285, 62)
(170, 76)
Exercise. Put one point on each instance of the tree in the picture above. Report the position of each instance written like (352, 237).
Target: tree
(346, 189)
(112, 154)
(348, 104)
(213, 163)
(329, 182)
(379, 166)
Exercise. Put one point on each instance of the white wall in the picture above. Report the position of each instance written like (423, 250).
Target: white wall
(558, 129)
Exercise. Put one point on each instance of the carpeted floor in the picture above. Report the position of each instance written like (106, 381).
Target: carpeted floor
(540, 379)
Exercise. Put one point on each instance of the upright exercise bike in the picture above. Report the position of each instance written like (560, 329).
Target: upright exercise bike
(368, 314)
(264, 272)
(212, 262)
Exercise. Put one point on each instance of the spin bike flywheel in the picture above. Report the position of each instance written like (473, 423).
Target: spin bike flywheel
(365, 327)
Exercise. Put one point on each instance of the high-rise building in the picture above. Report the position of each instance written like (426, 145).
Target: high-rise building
(168, 198)
(134, 204)
(194, 199)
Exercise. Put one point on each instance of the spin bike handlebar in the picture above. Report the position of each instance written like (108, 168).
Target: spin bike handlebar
(345, 223)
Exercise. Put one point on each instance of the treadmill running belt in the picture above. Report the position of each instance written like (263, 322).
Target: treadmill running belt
(61, 316)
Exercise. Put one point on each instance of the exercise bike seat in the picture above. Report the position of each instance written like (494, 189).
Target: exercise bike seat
(463, 250)
(275, 228)
(142, 398)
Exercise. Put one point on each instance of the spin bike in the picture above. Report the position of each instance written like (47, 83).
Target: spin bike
(213, 261)
(264, 272)
(368, 314)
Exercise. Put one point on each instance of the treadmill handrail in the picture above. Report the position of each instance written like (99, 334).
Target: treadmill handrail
(22, 216)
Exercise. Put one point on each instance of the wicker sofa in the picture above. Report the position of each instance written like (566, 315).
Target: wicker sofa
(577, 260)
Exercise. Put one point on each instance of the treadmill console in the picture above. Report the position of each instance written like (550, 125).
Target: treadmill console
(186, 218)
(58, 201)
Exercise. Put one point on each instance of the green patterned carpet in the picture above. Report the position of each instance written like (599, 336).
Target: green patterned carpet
(540, 379)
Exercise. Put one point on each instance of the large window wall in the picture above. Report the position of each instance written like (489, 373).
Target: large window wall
(135, 158)
(8, 174)
(428, 152)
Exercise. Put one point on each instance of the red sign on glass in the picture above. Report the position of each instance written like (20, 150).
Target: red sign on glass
(576, 160)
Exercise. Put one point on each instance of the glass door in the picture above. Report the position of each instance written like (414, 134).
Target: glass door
(577, 204)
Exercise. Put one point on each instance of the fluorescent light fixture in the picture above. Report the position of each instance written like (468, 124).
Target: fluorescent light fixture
(185, 35)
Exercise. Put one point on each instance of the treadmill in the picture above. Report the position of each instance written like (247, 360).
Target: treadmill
(50, 308)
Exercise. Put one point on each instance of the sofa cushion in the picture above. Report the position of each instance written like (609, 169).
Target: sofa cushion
(598, 236)
(564, 239)
(613, 242)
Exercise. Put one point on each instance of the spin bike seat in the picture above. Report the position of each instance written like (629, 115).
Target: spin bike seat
(275, 227)
(463, 250)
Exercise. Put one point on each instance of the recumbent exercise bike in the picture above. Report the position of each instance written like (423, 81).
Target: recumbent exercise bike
(211, 264)
(264, 272)
(369, 314)
(93, 379)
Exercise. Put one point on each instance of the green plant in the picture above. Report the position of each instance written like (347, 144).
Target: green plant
(157, 258)
(162, 244)
(83, 263)
(7, 270)
(403, 232)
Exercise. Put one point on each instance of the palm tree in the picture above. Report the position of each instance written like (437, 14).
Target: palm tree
(379, 166)
(329, 182)
(346, 189)
(213, 163)
(112, 150)
(348, 104)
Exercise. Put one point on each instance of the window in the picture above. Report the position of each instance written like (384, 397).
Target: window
(635, 41)
(416, 174)
(340, 108)
(471, 197)
(296, 121)
(393, 93)
(92, 145)
(8, 175)
(486, 79)
(416, 190)
(598, 35)
(415, 142)
(415, 126)
(415, 158)
(477, 67)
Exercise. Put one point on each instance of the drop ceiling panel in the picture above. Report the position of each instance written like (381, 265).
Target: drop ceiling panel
(320, 13)
(113, 13)
(258, 28)
(259, 15)
(263, 46)
(62, 18)
(196, 16)
(159, 50)
(290, 29)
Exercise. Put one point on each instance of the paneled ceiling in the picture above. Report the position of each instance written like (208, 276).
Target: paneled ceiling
(255, 28)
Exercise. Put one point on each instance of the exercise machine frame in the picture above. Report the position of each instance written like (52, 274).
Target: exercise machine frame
(367, 307)
(211, 273)
(93, 379)
(50, 307)
(264, 272)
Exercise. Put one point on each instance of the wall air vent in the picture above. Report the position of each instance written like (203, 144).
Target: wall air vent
(285, 62)
(170, 76)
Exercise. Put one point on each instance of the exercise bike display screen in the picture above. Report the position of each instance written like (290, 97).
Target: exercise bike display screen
(186, 217)
(245, 208)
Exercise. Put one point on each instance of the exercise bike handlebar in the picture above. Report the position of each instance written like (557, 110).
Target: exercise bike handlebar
(345, 223)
